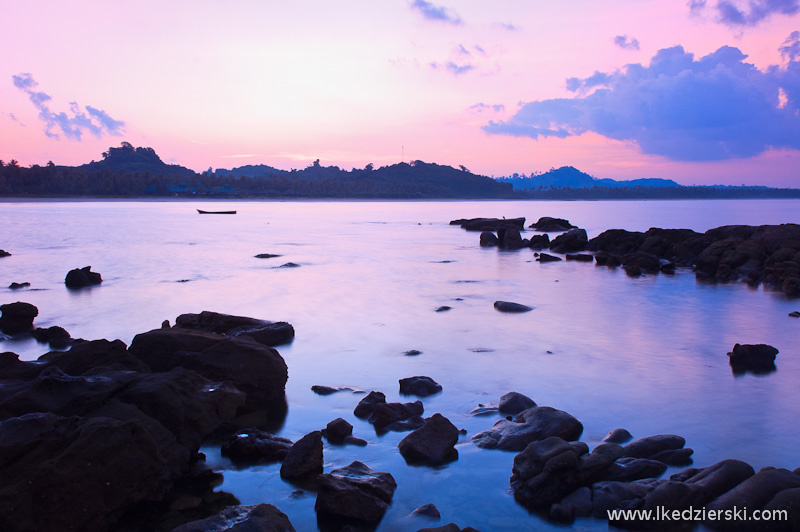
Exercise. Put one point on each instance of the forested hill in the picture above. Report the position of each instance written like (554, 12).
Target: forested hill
(128, 159)
(567, 176)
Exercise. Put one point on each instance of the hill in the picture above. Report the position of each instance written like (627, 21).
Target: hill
(128, 159)
(568, 176)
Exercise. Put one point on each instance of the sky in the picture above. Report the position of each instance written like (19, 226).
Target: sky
(699, 91)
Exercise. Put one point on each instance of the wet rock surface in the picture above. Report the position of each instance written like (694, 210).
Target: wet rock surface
(82, 277)
(257, 518)
(264, 332)
(17, 317)
(354, 495)
(421, 386)
(431, 444)
(530, 425)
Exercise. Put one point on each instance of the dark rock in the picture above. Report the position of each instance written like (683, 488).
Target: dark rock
(570, 242)
(257, 370)
(354, 495)
(385, 414)
(539, 242)
(576, 504)
(618, 436)
(428, 510)
(404, 425)
(485, 409)
(545, 257)
(758, 358)
(421, 386)
(580, 257)
(530, 425)
(611, 495)
(304, 458)
(450, 527)
(56, 336)
(289, 265)
(367, 405)
(254, 446)
(788, 501)
(546, 224)
(82, 277)
(337, 430)
(320, 389)
(606, 259)
(627, 469)
(633, 271)
(508, 306)
(266, 256)
(716, 479)
(432, 444)
(794, 314)
(489, 240)
(98, 467)
(490, 224)
(4, 253)
(644, 261)
(95, 357)
(260, 518)
(508, 237)
(17, 317)
(265, 332)
(443, 308)
(412, 353)
(17, 286)
(652, 445)
(545, 472)
(675, 457)
(514, 403)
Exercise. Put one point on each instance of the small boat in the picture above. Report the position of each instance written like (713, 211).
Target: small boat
(215, 212)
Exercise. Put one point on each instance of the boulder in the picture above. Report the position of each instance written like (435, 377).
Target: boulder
(17, 317)
(266, 256)
(618, 436)
(304, 458)
(546, 224)
(489, 224)
(539, 242)
(385, 414)
(254, 446)
(4, 253)
(421, 386)
(428, 510)
(716, 479)
(627, 469)
(514, 403)
(612, 495)
(508, 237)
(529, 425)
(432, 444)
(489, 240)
(545, 472)
(257, 370)
(580, 257)
(508, 306)
(570, 242)
(337, 430)
(367, 405)
(82, 277)
(404, 425)
(449, 527)
(94, 357)
(257, 518)
(264, 332)
(354, 495)
(546, 257)
(758, 358)
(652, 445)
(17, 286)
(57, 337)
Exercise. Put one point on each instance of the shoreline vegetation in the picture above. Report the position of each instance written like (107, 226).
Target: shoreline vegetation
(139, 173)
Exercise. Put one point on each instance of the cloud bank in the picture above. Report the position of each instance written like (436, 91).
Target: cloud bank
(738, 13)
(713, 108)
(436, 13)
(72, 125)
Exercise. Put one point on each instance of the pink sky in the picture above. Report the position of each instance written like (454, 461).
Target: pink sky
(212, 83)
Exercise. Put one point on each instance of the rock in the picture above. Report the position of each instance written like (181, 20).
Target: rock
(628, 469)
(367, 405)
(514, 403)
(354, 495)
(266, 256)
(254, 446)
(546, 224)
(643, 261)
(652, 445)
(264, 332)
(259, 518)
(304, 458)
(432, 444)
(508, 306)
(633, 271)
(794, 314)
(421, 386)
(611, 495)
(404, 425)
(580, 257)
(545, 257)
(618, 436)
(289, 265)
(545, 472)
(82, 277)
(570, 242)
(412, 353)
(788, 501)
(758, 358)
(485, 409)
(606, 259)
(576, 504)
(385, 414)
(508, 237)
(95, 357)
(17, 286)
(539, 242)
(489, 240)
(320, 389)
(489, 224)
(17, 317)
(56, 336)
(337, 430)
(4, 253)
(443, 308)
(450, 527)
(716, 479)
(428, 510)
(530, 425)
(257, 370)
(754, 494)
(99, 467)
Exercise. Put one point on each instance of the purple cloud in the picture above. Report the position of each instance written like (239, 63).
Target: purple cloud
(453, 67)
(72, 125)
(437, 13)
(738, 13)
(790, 50)
(713, 108)
(626, 43)
(481, 107)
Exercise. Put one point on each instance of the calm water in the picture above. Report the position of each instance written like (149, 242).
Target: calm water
(646, 354)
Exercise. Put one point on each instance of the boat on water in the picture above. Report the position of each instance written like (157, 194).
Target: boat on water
(215, 212)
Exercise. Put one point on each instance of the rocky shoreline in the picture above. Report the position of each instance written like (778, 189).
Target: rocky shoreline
(105, 437)
(766, 255)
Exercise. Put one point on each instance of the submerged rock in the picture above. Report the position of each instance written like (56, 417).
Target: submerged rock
(530, 425)
(354, 495)
(385, 414)
(421, 386)
(618, 436)
(508, 306)
(17, 286)
(546, 257)
(254, 446)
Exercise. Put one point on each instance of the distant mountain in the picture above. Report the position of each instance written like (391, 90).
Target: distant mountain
(250, 170)
(128, 159)
(568, 176)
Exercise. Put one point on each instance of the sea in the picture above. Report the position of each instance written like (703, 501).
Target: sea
(647, 354)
